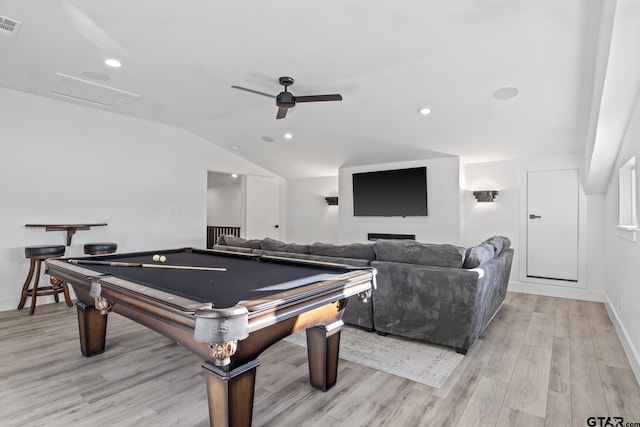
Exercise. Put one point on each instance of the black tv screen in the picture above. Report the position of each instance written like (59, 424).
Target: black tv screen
(400, 192)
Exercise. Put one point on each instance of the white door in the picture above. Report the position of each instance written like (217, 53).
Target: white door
(261, 207)
(552, 224)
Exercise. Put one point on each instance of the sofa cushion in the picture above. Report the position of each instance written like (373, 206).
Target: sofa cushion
(238, 242)
(500, 243)
(412, 252)
(278, 246)
(477, 255)
(353, 250)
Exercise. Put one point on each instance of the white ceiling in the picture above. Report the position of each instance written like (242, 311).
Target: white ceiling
(387, 59)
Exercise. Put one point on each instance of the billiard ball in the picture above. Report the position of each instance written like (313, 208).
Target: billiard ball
(163, 258)
(156, 257)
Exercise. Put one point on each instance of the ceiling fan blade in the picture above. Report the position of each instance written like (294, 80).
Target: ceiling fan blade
(282, 113)
(316, 98)
(253, 91)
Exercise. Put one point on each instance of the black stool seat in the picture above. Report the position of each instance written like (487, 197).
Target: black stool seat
(100, 248)
(46, 251)
(37, 254)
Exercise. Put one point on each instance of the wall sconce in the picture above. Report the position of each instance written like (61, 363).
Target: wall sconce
(485, 195)
(332, 201)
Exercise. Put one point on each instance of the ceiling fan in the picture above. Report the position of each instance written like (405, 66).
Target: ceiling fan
(286, 99)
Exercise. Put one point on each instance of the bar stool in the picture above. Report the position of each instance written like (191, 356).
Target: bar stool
(36, 255)
(101, 248)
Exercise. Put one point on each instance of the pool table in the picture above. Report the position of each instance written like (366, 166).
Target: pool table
(225, 307)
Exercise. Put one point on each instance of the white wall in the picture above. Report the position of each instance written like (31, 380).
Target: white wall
(505, 217)
(622, 285)
(64, 163)
(224, 205)
(440, 226)
(310, 219)
(483, 220)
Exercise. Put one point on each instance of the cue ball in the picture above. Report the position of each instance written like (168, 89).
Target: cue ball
(163, 258)
(156, 257)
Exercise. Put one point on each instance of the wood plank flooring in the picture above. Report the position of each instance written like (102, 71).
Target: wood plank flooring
(542, 361)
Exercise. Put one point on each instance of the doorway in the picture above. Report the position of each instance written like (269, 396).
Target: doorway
(552, 230)
(261, 207)
(224, 206)
(245, 206)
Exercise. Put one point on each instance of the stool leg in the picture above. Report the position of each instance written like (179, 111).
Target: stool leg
(67, 297)
(25, 287)
(34, 291)
(56, 298)
(60, 286)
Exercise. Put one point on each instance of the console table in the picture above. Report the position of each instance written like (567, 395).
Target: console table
(69, 228)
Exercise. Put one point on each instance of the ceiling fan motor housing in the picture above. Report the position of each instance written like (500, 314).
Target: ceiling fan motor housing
(285, 99)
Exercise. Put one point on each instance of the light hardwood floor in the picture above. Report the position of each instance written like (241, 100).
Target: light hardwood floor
(541, 362)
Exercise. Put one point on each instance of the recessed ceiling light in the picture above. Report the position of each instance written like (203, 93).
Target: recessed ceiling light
(267, 139)
(234, 175)
(112, 62)
(425, 111)
(288, 135)
(506, 93)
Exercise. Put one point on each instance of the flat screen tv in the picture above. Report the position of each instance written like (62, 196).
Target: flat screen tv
(399, 192)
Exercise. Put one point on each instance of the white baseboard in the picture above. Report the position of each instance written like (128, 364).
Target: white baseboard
(7, 304)
(557, 291)
(629, 349)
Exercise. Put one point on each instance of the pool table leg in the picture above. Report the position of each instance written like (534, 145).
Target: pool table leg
(92, 326)
(323, 344)
(230, 394)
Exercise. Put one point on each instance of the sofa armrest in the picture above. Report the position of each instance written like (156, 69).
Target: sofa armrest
(448, 306)
(491, 291)
(424, 302)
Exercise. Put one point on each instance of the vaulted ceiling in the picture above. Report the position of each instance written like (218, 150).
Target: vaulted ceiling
(387, 60)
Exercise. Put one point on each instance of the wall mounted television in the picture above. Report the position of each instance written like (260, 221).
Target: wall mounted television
(399, 192)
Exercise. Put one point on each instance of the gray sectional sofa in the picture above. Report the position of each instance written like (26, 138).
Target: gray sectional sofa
(439, 293)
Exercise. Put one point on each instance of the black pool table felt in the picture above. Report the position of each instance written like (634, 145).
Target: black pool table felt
(245, 279)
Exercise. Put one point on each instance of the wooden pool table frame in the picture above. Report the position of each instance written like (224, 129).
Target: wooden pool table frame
(230, 387)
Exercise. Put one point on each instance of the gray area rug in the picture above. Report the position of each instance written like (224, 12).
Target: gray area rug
(420, 362)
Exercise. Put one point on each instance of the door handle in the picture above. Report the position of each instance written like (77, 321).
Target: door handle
(532, 216)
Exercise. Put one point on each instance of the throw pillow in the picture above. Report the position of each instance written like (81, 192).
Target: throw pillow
(500, 243)
(477, 255)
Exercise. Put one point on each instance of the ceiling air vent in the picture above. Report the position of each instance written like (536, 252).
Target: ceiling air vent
(9, 27)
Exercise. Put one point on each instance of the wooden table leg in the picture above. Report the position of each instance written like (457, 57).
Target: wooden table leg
(230, 394)
(323, 345)
(92, 326)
